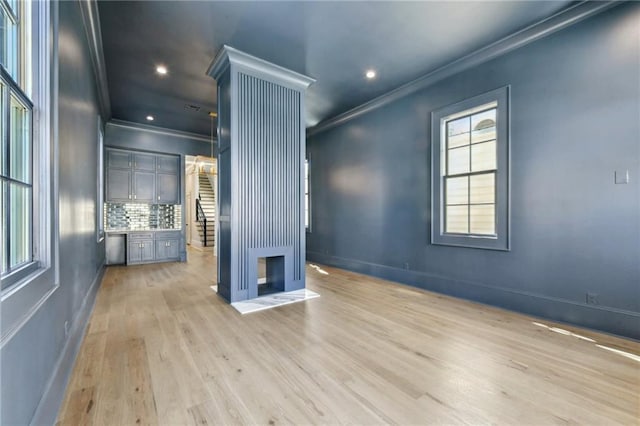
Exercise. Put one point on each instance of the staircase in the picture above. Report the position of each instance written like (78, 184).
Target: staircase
(207, 202)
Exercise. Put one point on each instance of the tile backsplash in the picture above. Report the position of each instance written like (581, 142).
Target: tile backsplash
(142, 217)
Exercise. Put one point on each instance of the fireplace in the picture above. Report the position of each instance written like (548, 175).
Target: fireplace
(270, 275)
(271, 271)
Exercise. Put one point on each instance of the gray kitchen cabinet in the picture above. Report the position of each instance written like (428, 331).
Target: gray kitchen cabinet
(144, 162)
(118, 159)
(147, 251)
(173, 249)
(167, 189)
(134, 254)
(118, 185)
(140, 251)
(140, 248)
(142, 177)
(168, 164)
(144, 186)
(167, 249)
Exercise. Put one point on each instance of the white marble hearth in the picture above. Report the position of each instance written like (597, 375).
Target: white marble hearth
(273, 300)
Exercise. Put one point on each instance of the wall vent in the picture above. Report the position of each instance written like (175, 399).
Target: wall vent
(192, 108)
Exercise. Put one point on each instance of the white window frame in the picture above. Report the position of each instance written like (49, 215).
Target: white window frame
(17, 272)
(22, 299)
(439, 118)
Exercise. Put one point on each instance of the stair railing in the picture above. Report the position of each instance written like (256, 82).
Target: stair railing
(200, 217)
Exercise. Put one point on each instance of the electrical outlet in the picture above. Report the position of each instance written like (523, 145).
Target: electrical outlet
(66, 328)
(592, 299)
(621, 177)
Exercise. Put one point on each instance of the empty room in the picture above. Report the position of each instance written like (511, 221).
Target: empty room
(319, 212)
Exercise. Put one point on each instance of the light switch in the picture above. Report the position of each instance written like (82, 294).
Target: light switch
(622, 176)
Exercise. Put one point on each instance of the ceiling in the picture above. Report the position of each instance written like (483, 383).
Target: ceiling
(333, 42)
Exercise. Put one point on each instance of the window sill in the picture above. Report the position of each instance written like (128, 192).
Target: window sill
(23, 298)
(20, 275)
(471, 241)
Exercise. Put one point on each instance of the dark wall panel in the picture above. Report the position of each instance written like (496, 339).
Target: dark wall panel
(575, 109)
(268, 172)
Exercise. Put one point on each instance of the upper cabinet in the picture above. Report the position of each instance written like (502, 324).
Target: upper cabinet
(167, 189)
(144, 162)
(168, 164)
(118, 159)
(167, 182)
(118, 185)
(144, 187)
(142, 177)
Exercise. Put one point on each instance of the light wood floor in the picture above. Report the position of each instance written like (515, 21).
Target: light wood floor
(162, 348)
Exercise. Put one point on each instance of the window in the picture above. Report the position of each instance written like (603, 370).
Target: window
(28, 225)
(470, 172)
(307, 197)
(16, 154)
(100, 180)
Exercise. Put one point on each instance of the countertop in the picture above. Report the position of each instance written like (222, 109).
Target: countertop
(130, 231)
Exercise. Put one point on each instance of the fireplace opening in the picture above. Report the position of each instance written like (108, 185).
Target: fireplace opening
(270, 275)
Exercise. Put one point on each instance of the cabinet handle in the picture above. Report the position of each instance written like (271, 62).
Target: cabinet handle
(158, 197)
(142, 245)
(129, 163)
(129, 196)
(135, 164)
(134, 197)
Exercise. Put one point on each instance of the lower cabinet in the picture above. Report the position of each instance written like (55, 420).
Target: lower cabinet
(167, 249)
(153, 247)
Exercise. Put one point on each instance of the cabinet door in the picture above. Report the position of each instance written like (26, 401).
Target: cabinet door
(167, 249)
(134, 254)
(172, 250)
(168, 189)
(144, 162)
(118, 159)
(168, 164)
(161, 249)
(144, 186)
(118, 185)
(146, 252)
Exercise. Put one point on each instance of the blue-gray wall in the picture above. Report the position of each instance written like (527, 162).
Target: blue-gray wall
(575, 119)
(37, 360)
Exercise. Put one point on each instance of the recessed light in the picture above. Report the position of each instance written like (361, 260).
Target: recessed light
(370, 74)
(162, 70)
(150, 117)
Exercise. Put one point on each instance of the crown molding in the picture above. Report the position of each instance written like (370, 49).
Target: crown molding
(161, 130)
(227, 56)
(91, 20)
(534, 32)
